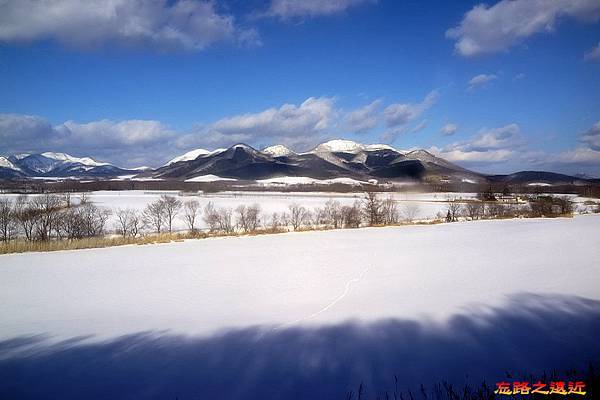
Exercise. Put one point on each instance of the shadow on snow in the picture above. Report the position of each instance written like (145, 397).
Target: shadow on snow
(530, 334)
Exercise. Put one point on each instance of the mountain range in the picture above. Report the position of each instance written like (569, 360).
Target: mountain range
(330, 160)
(56, 165)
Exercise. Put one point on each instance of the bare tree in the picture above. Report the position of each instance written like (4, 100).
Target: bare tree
(389, 211)
(297, 215)
(93, 219)
(454, 209)
(46, 210)
(253, 218)
(351, 215)
(372, 208)
(84, 198)
(333, 213)
(474, 209)
(225, 220)
(410, 211)
(128, 222)
(274, 223)
(136, 224)
(565, 204)
(319, 217)
(154, 215)
(493, 210)
(25, 215)
(247, 218)
(190, 213)
(171, 206)
(211, 217)
(8, 220)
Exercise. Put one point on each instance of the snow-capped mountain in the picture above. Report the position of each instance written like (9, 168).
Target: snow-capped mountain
(8, 170)
(329, 160)
(333, 160)
(51, 164)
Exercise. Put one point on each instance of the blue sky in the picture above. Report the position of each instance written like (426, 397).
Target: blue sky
(501, 87)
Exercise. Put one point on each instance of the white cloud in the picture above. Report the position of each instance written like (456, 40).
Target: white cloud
(123, 142)
(449, 129)
(288, 124)
(481, 80)
(592, 54)
(490, 145)
(402, 113)
(364, 118)
(580, 156)
(419, 127)
(108, 133)
(491, 29)
(592, 137)
(504, 148)
(130, 142)
(286, 9)
(160, 24)
(459, 155)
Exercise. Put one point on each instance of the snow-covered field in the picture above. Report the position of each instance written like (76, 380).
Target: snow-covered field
(369, 274)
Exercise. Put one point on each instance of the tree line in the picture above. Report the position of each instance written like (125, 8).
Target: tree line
(57, 217)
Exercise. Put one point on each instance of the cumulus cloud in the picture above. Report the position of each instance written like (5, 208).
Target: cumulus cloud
(364, 118)
(124, 142)
(161, 24)
(286, 9)
(402, 113)
(491, 29)
(580, 156)
(132, 142)
(593, 54)
(481, 80)
(503, 150)
(490, 145)
(289, 124)
(449, 129)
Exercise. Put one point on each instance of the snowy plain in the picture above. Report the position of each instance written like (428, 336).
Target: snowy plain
(199, 287)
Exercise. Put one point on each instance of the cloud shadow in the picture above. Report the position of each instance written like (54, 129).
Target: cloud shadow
(530, 334)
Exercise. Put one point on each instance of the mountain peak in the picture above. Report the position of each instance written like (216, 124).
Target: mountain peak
(5, 163)
(339, 146)
(64, 157)
(190, 155)
(277, 150)
(380, 146)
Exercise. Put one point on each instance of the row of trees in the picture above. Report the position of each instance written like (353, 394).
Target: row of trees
(52, 216)
(159, 215)
(541, 206)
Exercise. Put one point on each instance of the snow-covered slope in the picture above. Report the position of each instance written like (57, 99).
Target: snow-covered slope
(66, 158)
(339, 146)
(53, 164)
(5, 163)
(190, 155)
(278, 150)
